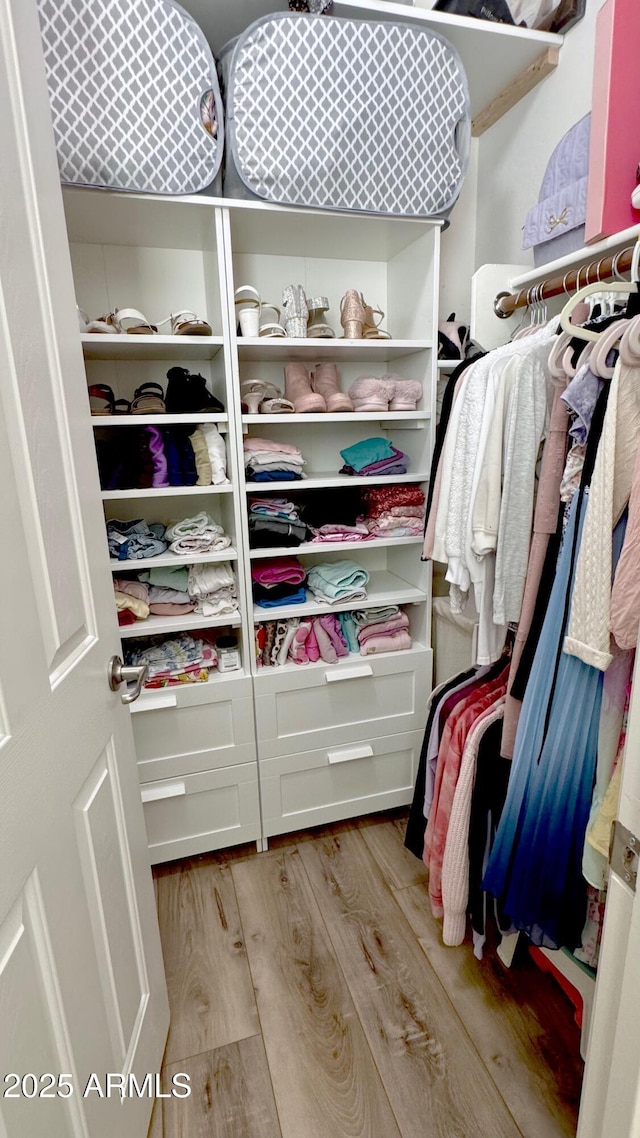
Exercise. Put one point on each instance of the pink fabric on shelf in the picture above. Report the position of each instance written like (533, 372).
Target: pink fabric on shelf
(311, 645)
(275, 569)
(327, 651)
(394, 624)
(168, 608)
(331, 625)
(389, 642)
(256, 444)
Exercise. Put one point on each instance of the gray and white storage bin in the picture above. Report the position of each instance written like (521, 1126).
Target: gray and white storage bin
(555, 226)
(345, 114)
(134, 95)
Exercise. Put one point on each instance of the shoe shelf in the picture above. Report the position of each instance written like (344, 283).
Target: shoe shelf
(169, 624)
(322, 547)
(97, 346)
(161, 420)
(383, 588)
(329, 480)
(172, 559)
(165, 492)
(332, 350)
(340, 417)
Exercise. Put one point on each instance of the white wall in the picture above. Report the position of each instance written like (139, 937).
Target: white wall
(506, 170)
(514, 153)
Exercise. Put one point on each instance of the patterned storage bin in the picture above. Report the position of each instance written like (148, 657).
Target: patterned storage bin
(134, 95)
(345, 114)
(555, 226)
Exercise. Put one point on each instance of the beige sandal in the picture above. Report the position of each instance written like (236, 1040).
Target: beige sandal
(371, 330)
(186, 323)
(130, 322)
(352, 314)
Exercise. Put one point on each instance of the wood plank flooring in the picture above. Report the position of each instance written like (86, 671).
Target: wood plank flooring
(312, 997)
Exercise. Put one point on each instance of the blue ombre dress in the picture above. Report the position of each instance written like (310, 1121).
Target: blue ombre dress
(535, 864)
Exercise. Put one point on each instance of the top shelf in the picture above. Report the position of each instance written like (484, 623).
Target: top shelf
(495, 56)
(583, 256)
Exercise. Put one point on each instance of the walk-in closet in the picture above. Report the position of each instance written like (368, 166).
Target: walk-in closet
(320, 446)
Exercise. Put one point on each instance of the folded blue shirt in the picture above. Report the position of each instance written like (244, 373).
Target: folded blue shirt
(364, 453)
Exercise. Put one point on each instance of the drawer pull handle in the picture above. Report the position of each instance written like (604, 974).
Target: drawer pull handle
(154, 703)
(336, 677)
(345, 756)
(167, 790)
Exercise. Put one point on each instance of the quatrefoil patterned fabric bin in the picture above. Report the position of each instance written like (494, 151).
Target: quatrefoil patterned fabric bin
(134, 95)
(345, 114)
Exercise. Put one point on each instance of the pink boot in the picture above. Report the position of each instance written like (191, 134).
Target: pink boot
(297, 387)
(325, 382)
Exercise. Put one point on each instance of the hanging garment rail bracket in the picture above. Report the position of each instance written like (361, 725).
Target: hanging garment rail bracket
(506, 303)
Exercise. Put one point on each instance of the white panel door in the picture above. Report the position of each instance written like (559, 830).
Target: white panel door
(82, 986)
(610, 1106)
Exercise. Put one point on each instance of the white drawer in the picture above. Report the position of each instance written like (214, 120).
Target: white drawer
(182, 731)
(325, 785)
(365, 697)
(201, 812)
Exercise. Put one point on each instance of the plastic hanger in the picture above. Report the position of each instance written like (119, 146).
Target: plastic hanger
(589, 290)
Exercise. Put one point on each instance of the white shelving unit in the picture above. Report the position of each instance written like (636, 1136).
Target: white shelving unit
(226, 738)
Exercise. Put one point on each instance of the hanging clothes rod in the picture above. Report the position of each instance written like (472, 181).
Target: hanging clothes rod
(506, 303)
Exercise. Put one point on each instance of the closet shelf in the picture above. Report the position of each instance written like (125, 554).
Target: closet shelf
(499, 59)
(152, 698)
(335, 351)
(583, 256)
(447, 365)
(321, 547)
(341, 417)
(327, 480)
(165, 492)
(105, 347)
(174, 559)
(155, 624)
(384, 588)
(352, 658)
(158, 420)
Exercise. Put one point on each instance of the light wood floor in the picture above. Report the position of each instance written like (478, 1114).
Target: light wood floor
(312, 997)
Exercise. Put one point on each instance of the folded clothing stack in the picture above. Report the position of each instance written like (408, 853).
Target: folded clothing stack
(395, 511)
(375, 456)
(331, 637)
(278, 581)
(382, 630)
(145, 457)
(213, 589)
(273, 522)
(269, 461)
(130, 541)
(338, 581)
(208, 590)
(199, 534)
(176, 660)
(136, 599)
(335, 515)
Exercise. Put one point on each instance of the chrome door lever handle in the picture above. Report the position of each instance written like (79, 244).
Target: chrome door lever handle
(119, 673)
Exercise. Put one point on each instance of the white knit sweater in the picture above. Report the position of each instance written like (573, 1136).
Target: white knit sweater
(588, 635)
(455, 865)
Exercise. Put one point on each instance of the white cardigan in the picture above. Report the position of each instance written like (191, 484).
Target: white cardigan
(588, 635)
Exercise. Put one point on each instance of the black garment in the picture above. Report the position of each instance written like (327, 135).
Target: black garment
(188, 394)
(268, 533)
(280, 592)
(340, 507)
(441, 429)
(487, 802)
(417, 824)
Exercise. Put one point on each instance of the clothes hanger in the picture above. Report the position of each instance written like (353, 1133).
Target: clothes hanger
(630, 343)
(576, 330)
